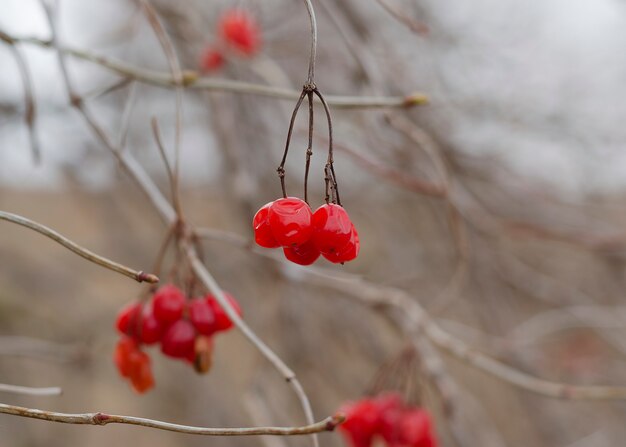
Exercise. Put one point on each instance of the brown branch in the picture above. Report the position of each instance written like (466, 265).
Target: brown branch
(193, 80)
(327, 424)
(80, 251)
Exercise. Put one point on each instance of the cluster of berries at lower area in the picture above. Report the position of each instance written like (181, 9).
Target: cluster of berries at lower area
(388, 418)
(184, 329)
(238, 33)
(305, 235)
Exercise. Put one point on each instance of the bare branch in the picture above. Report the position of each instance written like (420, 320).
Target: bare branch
(29, 391)
(193, 80)
(327, 424)
(80, 251)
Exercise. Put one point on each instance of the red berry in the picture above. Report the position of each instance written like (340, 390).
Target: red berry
(361, 422)
(151, 328)
(240, 30)
(262, 231)
(141, 372)
(124, 347)
(290, 221)
(415, 429)
(222, 320)
(347, 253)
(178, 340)
(168, 304)
(202, 316)
(127, 321)
(305, 254)
(332, 228)
(211, 59)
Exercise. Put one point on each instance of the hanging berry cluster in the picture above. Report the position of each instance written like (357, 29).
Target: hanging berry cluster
(238, 34)
(183, 327)
(289, 222)
(389, 418)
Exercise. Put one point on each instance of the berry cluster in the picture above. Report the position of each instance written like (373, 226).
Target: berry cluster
(387, 416)
(305, 235)
(238, 33)
(183, 327)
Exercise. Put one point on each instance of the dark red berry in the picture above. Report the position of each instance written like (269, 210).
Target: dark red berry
(290, 221)
(211, 59)
(168, 304)
(202, 316)
(347, 253)
(262, 231)
(178, 340)
(305, 254)
(151, 328)
(127, 321)
(240, 30)
(332, 228)
(222, 320)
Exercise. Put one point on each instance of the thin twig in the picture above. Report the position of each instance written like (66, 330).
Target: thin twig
(30, 391)
(80, 251)
(313, 26)
(193, 80)
(327, 424)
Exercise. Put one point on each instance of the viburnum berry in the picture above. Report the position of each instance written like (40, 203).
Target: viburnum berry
(203, 354)
(262, 231)
(290, 221)
(332, 228)
(122, 352)
(240, 30)
(178, 341)
(222, 320)
(202, 316)
(348, 252)
(127, 321)
(361, 422)
(151, 329)
(414, 429)
(168, 304)
(305, 254)
(133, 364)
(211, 59)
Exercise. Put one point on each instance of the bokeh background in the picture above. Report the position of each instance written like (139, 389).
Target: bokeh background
(525, 117)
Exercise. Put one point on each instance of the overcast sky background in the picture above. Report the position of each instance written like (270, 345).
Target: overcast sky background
(536, 84)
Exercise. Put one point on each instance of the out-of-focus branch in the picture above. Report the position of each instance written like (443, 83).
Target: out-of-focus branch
(327, 424)
(30, 391)
(394, 299)
(80, 251)
(193, 80)
(29, 99)
(414, 25)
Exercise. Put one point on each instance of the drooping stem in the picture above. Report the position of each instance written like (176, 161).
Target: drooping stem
(309, 150)
(311, 77)
(281, 168)
(329, 170)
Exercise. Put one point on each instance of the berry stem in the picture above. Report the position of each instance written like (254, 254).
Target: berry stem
(329, 170)
(311, 11)
(309, 150)
(281, 168)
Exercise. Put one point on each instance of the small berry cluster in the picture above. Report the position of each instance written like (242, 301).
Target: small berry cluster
(305, 235)
(239, 33)
(387, 416)
(183, 327)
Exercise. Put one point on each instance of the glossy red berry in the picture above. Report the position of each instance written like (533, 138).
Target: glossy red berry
(290, 221)
(151, 328)
(332, 228)
(222, 320)
(240, 30)
(361, 422)
(127, 321)
(305, 254)
(262, 231)
(178, 340)
(202, 316)
(211, 59)
(347, 253)
(168, 304)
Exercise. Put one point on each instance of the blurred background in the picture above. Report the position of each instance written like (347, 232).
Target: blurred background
(522, 257)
